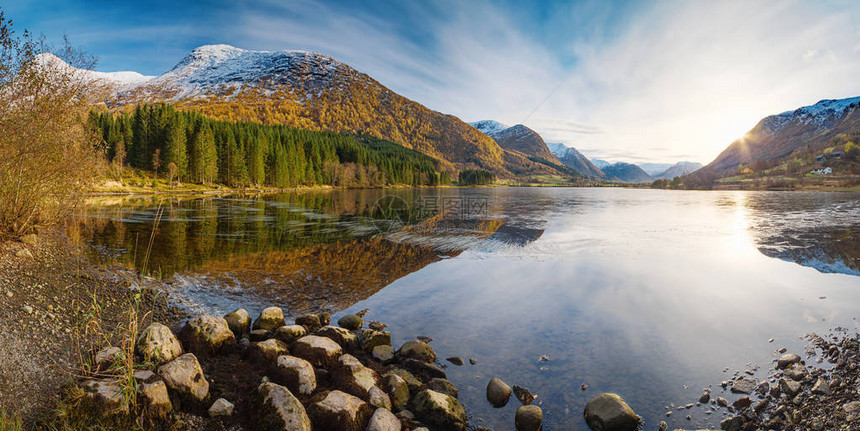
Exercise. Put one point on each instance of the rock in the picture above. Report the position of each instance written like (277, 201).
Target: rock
(24, 253)
(144, 376)
(663, 427)
(156, 401)
(705, 397)
(821, 387)
(158, 344)
(397, 390)
(424, 370)
(340, 411)
(732, 424)
(258, 335)
(296, 374)
(417, 350)
(269, 350)
(353, 378)
(384, 354)
(796, 372)
(763, 388)
(608, 412)
(30, 239)
(239, 321)
(441, 410)
(473, 361)
(411, 381)
(378, 398)
(309, 321)
(383, 420)
(722, 402)
(107, 356)
(761, 405)
(341, 336)
(852, 410)
(290, 333)
(221, 407)
(790, 387)
(787, 359)
(106, 394)
(350, 321)
(325, 318)
(321, 352)
(742, 402)
(443, 386)
(528, 418)
(455, 360)
(524, 395)
(207, 335)
(498, 392)
(368, 339)
(270, 319)
(743, 385)
(185, 376)
(27, 309)
(280, 410)
(377, 326)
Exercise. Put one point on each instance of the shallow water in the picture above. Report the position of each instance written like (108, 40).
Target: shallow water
(647, 293)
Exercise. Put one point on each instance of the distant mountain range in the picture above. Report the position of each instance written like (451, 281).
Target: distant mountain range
(313, 91)
(777, 136)
(573, 159)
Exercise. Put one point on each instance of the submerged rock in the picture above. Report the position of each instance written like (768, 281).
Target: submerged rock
(280, 410)
(239, 321)
(158, 344)
(498, 392)
(270, 319)
(441, 410)
(608, 412)
(340, 411)
(524, 395)
(185, 376)
(528, 418)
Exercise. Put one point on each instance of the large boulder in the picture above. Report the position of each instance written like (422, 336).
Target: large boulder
(185, 376)
(383, 420)
(411, 381)
(156, 401)
(239, 321)
(397, 390)
(269, 350)
(417, 350)
(321, 352)
(296, 374)
(280, 410)
(424, 370)
(444, 386)
(340, 411)
(270, 319)
(354, 378)
(378, 398)
(309, 321)
(207, 334)
(528, 418)
(608, 412)
(384, 354)
(290, 333)
(344, 337)
(438, 409)
(498, 392)
(368, 339)
(158, 344)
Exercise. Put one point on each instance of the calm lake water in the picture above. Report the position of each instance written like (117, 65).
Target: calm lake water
(650, 294)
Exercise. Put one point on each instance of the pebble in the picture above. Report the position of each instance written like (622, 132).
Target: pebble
(27, 309)
(9, 293)
(473, 361)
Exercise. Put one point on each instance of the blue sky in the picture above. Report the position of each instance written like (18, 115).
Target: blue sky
(619, 80)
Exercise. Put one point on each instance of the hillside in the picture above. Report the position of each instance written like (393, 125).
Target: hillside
(573, 159)
(627, 172)
(677, 170)
(519, 138)
(314, 92)
(777, 136)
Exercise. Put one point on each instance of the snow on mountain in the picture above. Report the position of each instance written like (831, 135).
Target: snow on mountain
(488, 127)
(677, 170)
(557, 149)
(654, 168)
(819, 115)
(600, 163)
(116, 79)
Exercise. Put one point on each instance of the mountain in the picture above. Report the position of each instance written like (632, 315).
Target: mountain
(677, 170)
(488, 127)
(600, 163)
(313, 91)
(627, 172)
(524, 140)
(654, 168)
(778, 135)
(573, 159)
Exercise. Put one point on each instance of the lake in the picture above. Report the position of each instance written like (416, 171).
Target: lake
(651, 294)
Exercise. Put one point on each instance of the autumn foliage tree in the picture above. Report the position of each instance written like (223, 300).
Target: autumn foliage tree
(47, 152)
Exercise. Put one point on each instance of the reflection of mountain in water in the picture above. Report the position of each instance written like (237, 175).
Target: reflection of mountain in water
(818, 230)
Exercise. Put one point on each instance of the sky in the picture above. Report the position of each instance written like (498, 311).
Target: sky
(655, 81)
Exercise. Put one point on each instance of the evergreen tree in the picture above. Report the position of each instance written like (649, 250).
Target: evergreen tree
(175, 150)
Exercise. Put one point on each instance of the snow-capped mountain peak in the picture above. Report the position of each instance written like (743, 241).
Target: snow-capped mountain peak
(488, 127)
(819, 115)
